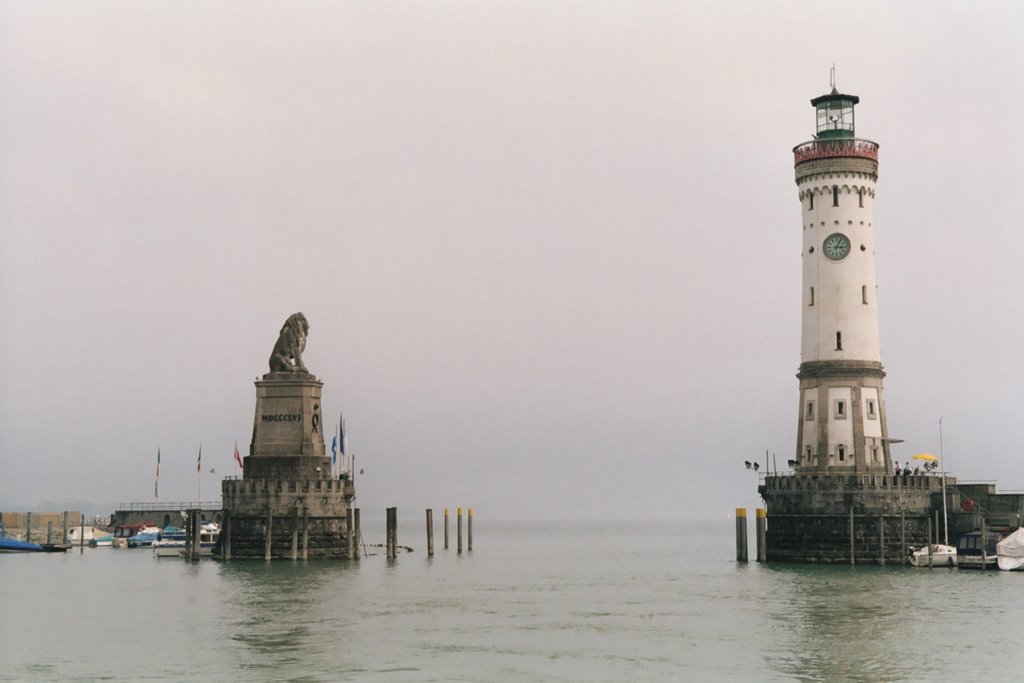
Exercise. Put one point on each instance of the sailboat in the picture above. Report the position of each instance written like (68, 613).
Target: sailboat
(936, 554)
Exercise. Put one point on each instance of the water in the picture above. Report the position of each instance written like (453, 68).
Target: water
(535, 601)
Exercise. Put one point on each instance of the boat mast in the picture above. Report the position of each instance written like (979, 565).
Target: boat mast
(945, 518)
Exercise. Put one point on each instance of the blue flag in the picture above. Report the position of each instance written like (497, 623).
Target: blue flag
(334, 450)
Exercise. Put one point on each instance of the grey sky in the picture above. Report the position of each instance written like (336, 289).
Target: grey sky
(549, 251)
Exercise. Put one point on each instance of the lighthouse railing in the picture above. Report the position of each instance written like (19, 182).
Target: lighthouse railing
(824, 149)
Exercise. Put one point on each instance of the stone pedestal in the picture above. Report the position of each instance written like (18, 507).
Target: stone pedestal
(847, 519)
(286, 505)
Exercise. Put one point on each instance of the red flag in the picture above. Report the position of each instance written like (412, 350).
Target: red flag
(238, 458)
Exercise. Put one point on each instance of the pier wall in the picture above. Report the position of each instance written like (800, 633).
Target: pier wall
(809, 516)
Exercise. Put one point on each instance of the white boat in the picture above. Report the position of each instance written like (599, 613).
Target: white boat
(1010, 551)
(941, 556)
(82, 536)
(170, 543)
(176, 546)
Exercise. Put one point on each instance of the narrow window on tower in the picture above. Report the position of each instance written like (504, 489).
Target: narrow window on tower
(840, 410)
(839, 341)
(812, 296)
(860, 197)
(874, 453)
(808, 454)
(810, 410)
(863, 294)
(835, 195)
(871, 410)
(842, 453)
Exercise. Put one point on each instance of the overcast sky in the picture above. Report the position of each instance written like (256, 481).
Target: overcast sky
(549, 251)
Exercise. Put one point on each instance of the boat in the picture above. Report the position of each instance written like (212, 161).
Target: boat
(122, 532)
(972, 553)
(102, 541)
(176, 544)
(171, 542)
(940, 555)
(1010, 551)
(935, 554)
(12, 545)
(81, 535)
(144, 538)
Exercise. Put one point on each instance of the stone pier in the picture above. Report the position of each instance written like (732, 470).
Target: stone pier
(287, 503)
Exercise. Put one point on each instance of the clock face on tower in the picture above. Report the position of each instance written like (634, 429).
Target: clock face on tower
(836, 246)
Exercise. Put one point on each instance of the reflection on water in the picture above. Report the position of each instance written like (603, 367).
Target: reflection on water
(555, 601)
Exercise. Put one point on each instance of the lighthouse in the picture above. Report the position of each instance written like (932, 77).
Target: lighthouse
(840, 501)
(841, 425)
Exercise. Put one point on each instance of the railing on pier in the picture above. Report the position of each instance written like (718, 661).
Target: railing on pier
(147, 507)
(825, 149)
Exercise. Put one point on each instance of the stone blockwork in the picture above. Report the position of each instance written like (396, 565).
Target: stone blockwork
(845, 166)
(287, 504)
(809, 516)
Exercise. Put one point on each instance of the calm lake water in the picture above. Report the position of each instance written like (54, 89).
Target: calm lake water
(534, 601)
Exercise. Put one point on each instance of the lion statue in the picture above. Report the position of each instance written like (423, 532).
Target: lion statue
(287, 354)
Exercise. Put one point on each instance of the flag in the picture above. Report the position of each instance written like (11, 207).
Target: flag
(334, 450)
(199, 461)
(341, 431)
(238, 458)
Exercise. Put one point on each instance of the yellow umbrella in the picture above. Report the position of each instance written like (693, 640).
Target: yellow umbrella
(925, 456)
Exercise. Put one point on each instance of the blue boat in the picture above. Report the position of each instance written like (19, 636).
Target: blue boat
(144, 539)
(10, 545)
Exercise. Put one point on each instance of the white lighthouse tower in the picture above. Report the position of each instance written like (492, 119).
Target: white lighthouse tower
(842, 426)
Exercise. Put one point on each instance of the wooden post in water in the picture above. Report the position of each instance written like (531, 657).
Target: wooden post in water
(761, 529)
(197, 527)
(305, 534)
(295, 532)
(984, 543)
(903, 537)
(741, 534)
(357, 534)
(64, 541)
(81, 536)
(458, 517)
(446, 528)
(225, 536)
(852, 558)
(881, 540)
(28, 529)
(350, 529)
(392, 534)
(430, 532)
(268, 535)
(469, 530)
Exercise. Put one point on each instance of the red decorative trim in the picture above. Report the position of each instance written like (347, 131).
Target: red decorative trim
(824, 149)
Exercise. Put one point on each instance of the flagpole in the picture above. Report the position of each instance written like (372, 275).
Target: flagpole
(199, 475)
(156, 489)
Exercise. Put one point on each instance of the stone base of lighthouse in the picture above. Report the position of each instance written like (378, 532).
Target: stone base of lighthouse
(849, 519)
(287, 505)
